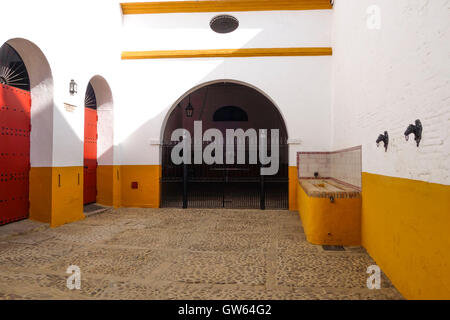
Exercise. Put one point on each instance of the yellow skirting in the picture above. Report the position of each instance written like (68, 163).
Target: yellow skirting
(406, 229)
(293, 182)
(41, 194)
(109, 186)
(147, 195)
(56, 195)
(67, 195)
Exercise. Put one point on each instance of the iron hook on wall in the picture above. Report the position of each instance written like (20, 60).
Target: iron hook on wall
(385, 139)
(416, 129)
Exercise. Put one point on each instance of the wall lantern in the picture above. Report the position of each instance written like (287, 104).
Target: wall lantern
(189, 109)
(73, 87)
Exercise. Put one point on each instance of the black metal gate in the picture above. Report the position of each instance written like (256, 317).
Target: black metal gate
(223, 186)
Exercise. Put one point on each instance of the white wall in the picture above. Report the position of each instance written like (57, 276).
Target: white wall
(85, 38)
(386, 79)
(299, 86)
(79, 40)
(262, 29)
(382, 79)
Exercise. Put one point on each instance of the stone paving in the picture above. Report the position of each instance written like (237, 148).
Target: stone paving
(177, 254)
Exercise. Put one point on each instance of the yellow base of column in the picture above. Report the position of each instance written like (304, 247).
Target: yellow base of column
(56, 195)
(41, 194)
(67, 195)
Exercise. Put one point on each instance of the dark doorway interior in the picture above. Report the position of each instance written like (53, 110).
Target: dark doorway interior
(224, 106)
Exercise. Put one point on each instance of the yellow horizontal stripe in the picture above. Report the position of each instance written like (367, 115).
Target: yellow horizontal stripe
(222, 6)
(227, 53)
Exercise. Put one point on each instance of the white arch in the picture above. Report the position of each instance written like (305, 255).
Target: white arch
(42, 103)
(105, 126)
(204, 84)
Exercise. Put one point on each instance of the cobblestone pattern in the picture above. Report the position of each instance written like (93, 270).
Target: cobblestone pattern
(177, 254)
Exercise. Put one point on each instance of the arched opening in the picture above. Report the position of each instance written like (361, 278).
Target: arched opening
(98, 143)
(234, 178)
(26, 116)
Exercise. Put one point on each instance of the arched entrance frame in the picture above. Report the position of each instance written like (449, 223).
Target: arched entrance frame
(108, 187)
(205, 84)
(293, 176)
(41, 139)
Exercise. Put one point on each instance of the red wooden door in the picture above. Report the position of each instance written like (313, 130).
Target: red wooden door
(15, 127)
(90, 156)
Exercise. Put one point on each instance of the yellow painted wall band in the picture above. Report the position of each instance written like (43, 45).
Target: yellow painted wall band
(222, 6)
(227, 53)
(337, 223)
(405, 228)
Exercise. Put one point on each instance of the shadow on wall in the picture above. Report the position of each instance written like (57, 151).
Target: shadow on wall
(105, 126)
(108, 175)
(250, 33)
(42, 102)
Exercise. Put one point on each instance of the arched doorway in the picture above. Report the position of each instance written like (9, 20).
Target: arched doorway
(15, 127)
(234, 180)
(99, 178)
(90, 146)
(22, 59)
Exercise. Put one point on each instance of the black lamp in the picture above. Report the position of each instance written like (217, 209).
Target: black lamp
(189, 109)
(73, 87)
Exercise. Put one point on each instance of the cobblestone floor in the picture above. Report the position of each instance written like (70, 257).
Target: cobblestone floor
(176, 254)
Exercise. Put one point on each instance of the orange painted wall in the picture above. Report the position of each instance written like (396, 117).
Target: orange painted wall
(67, 195)
(107, 182)
(337, 223)
(293, 184)
(56, 195)
(148, 193)
(117, 186)
(406, 229)
(41, 194)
